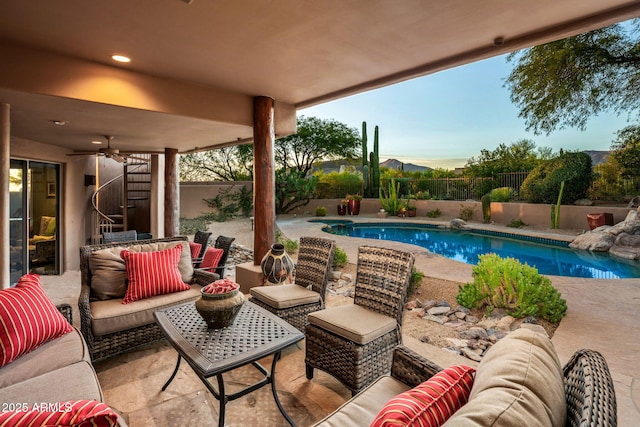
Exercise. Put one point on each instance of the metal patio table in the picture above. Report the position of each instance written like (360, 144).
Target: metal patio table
(254, 334)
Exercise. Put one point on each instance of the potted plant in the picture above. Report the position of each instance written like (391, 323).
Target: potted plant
(353, 203)
(342, 207)
(410, 208)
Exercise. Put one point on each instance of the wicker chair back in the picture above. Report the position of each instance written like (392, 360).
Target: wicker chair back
(315, 257)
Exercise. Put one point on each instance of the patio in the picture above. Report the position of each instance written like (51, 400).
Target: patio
(604, 318)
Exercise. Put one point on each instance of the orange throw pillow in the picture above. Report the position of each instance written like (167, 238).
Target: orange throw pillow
(430, 403)
(152, 273)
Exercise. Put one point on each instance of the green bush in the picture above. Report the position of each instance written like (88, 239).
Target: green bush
(518, 288)
(502, 194)
(414, 281)
(466, 212)
(321, 211)
(339, 258)
(516, 223)
(543, 183)
(335, 185)
(434, 213)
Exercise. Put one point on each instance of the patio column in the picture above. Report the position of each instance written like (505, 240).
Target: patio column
(5, 156)
(171, 193)
(264, 202)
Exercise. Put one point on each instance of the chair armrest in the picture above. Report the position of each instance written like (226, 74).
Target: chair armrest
(203, 278)
(411, 368)
(85, 315)
(66, 311)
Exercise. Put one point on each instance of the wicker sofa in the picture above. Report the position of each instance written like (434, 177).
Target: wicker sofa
(110, 327)
(519, 382)
(67, 375)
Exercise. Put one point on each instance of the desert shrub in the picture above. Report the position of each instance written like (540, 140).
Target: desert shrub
(321, 211)
(339, 258)
(486, 208)
(414, 281)
(335, 185)
(434, 213)
(519, 288)
(502, 194)
(290, 246)
(466, 212)
(543, 183)
(189, 226)
(516, 223)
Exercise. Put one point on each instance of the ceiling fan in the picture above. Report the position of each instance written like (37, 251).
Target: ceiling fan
(110, 153)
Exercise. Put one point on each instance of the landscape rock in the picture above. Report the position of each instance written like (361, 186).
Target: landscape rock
(435, 311)
(458, 224)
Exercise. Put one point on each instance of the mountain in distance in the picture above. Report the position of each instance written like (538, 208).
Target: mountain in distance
(409, 167)
(597, 157)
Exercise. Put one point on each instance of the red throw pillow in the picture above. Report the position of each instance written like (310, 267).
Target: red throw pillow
(28, 319)
(211, 258)
(430, 403)
(152, 273)
(77, 413)
(195, 249)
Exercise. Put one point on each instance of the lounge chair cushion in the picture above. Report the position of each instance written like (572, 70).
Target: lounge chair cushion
(77, 413)
(28, 319)
(518, 383)
(353, 322)
(108, 271)
(65, 350)
(111, 316)
(431, 403)
(72, 382)
(285, 296)
(152, 273)
(365, 405)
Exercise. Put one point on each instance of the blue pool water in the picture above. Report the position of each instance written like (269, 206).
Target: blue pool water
(548, 256)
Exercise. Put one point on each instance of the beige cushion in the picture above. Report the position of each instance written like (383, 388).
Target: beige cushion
(518, 383)
(285, 296)
(363, 408)
(108, 271)
(63, 351)
(353, 322)
(112, 316)
(73, 382)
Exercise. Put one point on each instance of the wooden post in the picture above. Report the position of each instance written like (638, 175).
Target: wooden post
(5, 156)
(171, 193)
(264, 192)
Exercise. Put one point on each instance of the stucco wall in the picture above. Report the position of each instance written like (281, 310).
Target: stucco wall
(192, 194)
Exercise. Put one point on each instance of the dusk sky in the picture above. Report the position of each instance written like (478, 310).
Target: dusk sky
(443, 119)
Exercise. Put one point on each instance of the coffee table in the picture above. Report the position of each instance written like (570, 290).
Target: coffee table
(254, 334)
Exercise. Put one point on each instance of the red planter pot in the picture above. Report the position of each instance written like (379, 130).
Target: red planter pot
(353, 207)
(342, 210)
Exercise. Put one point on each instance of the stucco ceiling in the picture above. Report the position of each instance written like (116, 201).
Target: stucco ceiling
(298, 52)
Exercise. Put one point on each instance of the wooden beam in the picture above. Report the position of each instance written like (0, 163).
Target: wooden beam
(264, 177)
(171, 193)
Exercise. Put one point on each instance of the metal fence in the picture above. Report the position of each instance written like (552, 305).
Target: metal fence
(465, 188)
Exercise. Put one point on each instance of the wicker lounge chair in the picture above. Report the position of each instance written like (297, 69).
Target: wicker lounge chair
(224, 243)
(293, 302)
(589, 390)
(201, 238)
(355, 342)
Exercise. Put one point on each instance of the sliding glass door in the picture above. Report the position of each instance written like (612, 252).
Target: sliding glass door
(34, 221)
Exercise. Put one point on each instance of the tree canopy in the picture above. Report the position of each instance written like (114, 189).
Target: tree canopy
(519, 156)
(626, 151)
(223, 164)
(316, 139)
(563, 83)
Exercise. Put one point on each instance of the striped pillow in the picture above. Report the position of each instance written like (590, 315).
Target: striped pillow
(77, 413)
(28, 319)
(195, 249)
(430, 403)
(152, 273)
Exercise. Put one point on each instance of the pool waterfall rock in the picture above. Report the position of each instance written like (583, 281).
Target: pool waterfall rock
(621, 240)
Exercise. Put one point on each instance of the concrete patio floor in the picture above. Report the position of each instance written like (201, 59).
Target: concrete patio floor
(603, 315)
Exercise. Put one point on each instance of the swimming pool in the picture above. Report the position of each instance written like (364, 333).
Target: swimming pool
(549, 256)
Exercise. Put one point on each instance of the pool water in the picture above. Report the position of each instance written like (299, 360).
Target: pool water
(551, 257)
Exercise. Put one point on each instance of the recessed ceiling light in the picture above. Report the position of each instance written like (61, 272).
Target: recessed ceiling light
(59, 122)
(96, 142)
(120, 58)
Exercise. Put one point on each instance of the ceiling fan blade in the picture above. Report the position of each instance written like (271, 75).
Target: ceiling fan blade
(118, 159)
(141, 159)
(83, 153)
